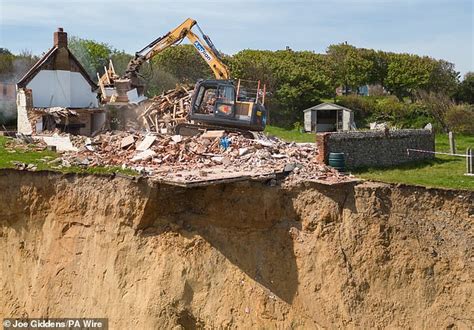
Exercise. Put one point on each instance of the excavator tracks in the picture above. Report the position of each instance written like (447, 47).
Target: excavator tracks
(187, 129)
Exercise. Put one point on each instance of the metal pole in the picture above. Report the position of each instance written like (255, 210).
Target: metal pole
(238, 89)
(469, 162)
(258, 89)
(435, 152)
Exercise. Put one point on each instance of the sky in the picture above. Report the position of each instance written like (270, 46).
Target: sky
(442, 29)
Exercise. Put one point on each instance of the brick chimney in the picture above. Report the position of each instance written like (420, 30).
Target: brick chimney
(60, 38)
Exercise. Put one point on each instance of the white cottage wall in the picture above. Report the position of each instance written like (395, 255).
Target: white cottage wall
(58, 88)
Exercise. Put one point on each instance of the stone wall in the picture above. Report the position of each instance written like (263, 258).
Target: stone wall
(377, 148)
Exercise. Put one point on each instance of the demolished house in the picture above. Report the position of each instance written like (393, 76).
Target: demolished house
(58, 94)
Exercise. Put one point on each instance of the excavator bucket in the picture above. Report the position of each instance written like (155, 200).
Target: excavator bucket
(116, 90)
(122, 88)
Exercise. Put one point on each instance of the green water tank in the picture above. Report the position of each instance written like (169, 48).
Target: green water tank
(337, 161)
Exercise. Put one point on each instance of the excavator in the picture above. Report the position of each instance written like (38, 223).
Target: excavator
(216, 103)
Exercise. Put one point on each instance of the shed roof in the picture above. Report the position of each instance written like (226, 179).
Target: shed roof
(327, 106)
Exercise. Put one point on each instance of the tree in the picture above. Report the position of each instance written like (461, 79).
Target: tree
(408, 73)
(91, 54)
(6, 63)
(438, 105)
(379, 68)
(22, 63)
(156, 80)
(444, 78)
(461, 119)
(255, 65)
(184, 63)
(294, 80)
(349, 67)
(120, 60)
(465, 90)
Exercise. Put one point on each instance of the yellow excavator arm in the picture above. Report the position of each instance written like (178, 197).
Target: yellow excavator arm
(206, 49)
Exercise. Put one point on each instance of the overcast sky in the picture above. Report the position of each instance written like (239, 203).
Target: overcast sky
(437, 28)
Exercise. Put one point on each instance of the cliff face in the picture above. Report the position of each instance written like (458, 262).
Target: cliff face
(241, 254)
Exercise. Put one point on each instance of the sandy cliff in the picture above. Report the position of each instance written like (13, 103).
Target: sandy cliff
(235, 255)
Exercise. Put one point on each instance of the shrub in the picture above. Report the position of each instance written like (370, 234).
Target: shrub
(387, 109)
(363, 106)
(460, 119)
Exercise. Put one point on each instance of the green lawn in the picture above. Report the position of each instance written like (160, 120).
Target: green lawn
(444, 171)
(38, 158)
(290, 134)
(42, 160)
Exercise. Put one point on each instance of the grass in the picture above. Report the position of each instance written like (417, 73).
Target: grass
(291, 135)
(42, 159)
(443, 171)
(28, 156)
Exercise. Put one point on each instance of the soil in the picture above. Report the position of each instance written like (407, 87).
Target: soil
(237, 255)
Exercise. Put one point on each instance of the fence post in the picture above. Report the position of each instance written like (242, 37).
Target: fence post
(469, 161)
(452, 143)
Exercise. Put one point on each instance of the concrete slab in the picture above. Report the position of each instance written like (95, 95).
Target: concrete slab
(199, 178)
(144, 155)
(146, 143)
(62, 143)
(127, 141)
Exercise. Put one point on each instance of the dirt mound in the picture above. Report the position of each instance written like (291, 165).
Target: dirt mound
(243, 255)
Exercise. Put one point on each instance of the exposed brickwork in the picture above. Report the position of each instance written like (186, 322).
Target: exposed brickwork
(322, 144)
(60, 38)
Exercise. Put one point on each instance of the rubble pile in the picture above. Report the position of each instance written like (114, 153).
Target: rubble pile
(57, 112)
(213, 154)
(50, 117)
(165, 111)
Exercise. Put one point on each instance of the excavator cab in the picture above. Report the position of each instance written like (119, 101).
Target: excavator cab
(216, 103)
(215, 98)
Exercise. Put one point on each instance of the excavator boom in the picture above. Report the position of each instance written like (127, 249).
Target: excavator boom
(184, 30)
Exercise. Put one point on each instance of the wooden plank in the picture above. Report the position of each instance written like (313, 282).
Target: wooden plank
(111, 66)
(106, 74)
(145, 122)
(212, 134)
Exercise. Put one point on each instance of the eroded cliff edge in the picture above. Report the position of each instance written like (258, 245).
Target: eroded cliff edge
(235, 255)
